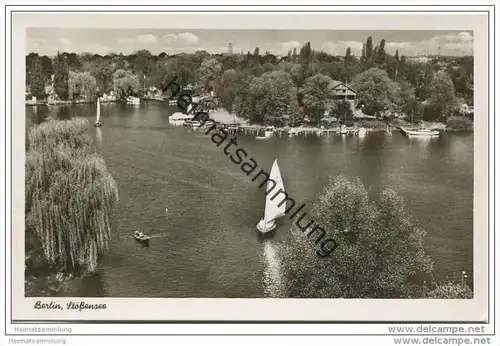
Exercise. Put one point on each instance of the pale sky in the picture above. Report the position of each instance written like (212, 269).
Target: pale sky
(47, 41)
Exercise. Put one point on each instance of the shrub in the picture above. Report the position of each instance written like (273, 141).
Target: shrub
(460, 124)
(380, 253)
(451, 291)
(373, 124)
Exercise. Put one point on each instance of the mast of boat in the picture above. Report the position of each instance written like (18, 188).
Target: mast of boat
(345, 102)
(265, 205)
(426, 75)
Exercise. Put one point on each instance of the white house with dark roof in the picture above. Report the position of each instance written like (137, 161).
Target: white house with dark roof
(342, 91)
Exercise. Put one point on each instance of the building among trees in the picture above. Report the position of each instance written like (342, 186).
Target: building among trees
(342, 91)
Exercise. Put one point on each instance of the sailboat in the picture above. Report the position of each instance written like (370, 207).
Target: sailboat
(422, 131)
(97, 122)
(274, 208)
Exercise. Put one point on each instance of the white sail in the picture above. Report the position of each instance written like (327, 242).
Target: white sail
(273, 208)
(98, 110)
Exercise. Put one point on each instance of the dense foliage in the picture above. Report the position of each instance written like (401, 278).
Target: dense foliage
(125, 84)
(387, 85)
(37, 81)
(451, 290)
(81, 85)
(377, 92)
(61, 77)
(459, 124)
(380, 253)
(69, 197)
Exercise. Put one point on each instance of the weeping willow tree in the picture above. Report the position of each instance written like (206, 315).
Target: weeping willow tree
(69, 196)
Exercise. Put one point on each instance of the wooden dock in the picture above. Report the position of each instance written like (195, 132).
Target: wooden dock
(254, 130)
(401, 129)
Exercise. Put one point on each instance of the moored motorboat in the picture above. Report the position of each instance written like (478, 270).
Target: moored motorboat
(192, 123)
(422, 131)
(133, 100)
(179, 118)
(268, 133)
(362, 132)
(293, 132)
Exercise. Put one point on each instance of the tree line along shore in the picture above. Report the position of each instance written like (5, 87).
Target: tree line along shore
(306, 87)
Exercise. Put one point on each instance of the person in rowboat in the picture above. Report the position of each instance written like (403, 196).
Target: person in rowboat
(138, 233)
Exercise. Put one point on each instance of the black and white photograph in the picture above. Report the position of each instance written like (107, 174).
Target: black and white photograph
(249, 163)
(235, 168)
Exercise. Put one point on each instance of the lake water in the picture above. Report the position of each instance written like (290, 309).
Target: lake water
(207, 244)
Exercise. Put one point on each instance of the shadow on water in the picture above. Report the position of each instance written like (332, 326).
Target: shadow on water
(86, 286)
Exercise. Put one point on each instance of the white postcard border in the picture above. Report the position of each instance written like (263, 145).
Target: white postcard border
(188, 309)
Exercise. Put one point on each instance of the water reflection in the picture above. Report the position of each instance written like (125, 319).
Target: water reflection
(388, 135)
(38, 115)
(86, 286)
(63, 113)
(422, 142)
(136, 114)
(98, 135)
(362, 139)
(344, 139)
(274, 284)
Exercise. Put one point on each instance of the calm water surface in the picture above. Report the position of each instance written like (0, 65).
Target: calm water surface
(207, 244)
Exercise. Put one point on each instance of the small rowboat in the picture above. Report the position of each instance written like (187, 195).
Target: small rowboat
(139, 236)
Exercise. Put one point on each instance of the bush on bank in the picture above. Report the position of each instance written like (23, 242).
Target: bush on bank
(460, 124)
(380, 254)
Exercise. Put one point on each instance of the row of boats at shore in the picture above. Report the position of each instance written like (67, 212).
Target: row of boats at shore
(186, 120)
(180, 119)
(269, 131)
